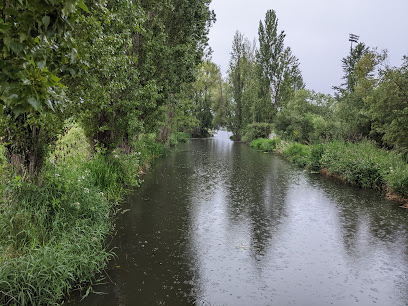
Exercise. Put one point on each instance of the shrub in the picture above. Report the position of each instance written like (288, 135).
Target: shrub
(52, 233)
(365, 165)
(297, 153)
(316, 153)
(266, 145)
(178, 137)
(256, 130)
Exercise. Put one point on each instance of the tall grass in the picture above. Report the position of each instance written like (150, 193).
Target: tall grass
(52, 233)
(266, 145)
(365, 165)
(362, 164)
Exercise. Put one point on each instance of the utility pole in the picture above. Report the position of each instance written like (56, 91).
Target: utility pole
(353, 38)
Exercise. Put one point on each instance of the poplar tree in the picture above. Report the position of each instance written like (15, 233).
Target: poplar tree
(278, 67)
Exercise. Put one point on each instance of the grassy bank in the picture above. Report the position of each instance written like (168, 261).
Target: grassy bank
(53, 233)
(362, 164)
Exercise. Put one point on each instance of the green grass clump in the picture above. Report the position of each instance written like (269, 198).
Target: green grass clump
(148, 148)
(52, 236)
(179, 137)
(53, 231)
(363, 164)
(397, 179)
(316, 153)
(297, 153)
(266, 145)
(256, 130)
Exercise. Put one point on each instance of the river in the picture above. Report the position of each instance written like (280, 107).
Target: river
(217, 223)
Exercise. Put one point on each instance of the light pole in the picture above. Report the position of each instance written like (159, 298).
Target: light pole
(353, 38)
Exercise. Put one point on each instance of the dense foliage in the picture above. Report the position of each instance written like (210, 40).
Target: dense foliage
(37, 50)
(359, 134)
(264, 85)
(90, 93)
(260, 80)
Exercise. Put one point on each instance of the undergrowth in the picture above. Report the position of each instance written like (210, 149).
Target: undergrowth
(53, 232)
(266, 145)
(362, 164)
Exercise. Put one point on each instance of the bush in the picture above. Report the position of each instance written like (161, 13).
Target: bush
(397, 180)
(297, 153)
(256, 130)
(365, 165)
(316, 153)
(52, 233)
(178, 137)
(266, 145)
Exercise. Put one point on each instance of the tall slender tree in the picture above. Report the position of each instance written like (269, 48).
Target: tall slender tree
(278, 67)
(239, 75)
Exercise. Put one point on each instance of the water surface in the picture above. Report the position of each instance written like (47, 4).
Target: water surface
(217, 223)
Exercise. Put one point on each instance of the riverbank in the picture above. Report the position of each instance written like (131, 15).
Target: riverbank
(361, 164)
(53, 233)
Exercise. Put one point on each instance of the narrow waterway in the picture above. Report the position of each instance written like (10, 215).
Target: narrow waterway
(217, 223)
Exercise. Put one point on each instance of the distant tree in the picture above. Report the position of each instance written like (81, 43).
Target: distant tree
(389, 107)
(204, 94)
(352, 110)
(349, 64)
(278, 67)
(239, 75)
(308, 117)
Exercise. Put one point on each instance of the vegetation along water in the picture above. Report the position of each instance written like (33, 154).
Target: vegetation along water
(92, 92)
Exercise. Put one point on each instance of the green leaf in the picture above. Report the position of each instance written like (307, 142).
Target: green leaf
(55, 78)
(34, 103)
(23, 37)
(82, 5)
(18, 109)
(49, 104)
(46, 21)
(41, 64)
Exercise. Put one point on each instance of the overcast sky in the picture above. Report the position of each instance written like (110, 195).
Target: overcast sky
(316, 30)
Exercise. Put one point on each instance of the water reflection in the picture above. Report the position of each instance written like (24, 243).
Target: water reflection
(217, 223)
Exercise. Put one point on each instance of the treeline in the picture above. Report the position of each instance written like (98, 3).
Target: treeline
(90, 93)
(264, 92)
(348, 134)
(118, 67)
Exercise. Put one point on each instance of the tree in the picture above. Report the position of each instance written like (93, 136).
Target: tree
(241, 68)
(389, 107)
(349, 64)
(109, 100)
(205, 93)
(352, 111)
(170, 49)
(308, 117)
(37, 51)
(279, 68)
(353, 107)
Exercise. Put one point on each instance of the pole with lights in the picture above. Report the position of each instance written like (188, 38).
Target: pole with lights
(353, 38)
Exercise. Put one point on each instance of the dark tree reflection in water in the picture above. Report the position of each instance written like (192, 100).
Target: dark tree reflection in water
(216, 223)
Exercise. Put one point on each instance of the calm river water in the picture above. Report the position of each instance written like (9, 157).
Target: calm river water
(217, 223)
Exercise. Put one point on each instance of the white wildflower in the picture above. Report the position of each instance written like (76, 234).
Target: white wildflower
(86, 190)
